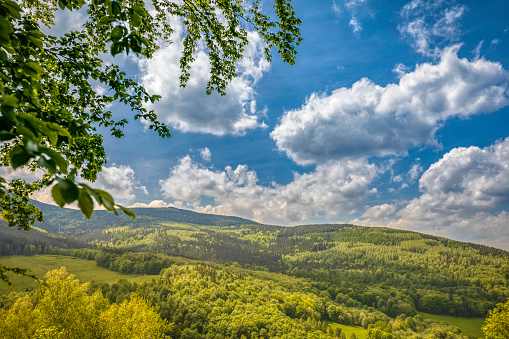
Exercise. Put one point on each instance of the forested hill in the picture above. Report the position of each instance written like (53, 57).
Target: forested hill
(392, 271)
(55, 217)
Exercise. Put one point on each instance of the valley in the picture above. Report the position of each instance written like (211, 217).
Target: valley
(309, 279)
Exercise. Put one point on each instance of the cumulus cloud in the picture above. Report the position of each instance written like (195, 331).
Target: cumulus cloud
(335, 188)
(380, 211)
(153, 204)
(400, 70)
(467, 179)
(460, 196)
(367, 119)
(119, 181)
(431, 25)
(190, 109)
(21, 173)
(66, 21)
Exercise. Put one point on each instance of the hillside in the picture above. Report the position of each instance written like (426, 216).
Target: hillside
(372, 274)
(55, 217)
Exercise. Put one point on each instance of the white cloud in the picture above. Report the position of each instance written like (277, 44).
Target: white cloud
(415, 171)
(143, 189)
(335, 8)
(477, 50)
(66, 21)
(469, 179)
(355, 24)
(190, 109)
(431, 25)
(118, 181)
(205, 154)
(397, 178)
(400, 70)
(461, 193)
(335, 188)
(380, 211)
(351, 4)
(21, 173)
(153, 204)
(367, 119)
(354, 10)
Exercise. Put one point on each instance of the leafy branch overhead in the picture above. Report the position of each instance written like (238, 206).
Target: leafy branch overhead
(50, 108)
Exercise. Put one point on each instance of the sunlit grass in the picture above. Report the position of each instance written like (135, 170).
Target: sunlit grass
(470, 327)
(84, 270)
(360, 332)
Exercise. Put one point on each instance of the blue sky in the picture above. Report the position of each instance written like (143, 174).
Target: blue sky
(395, 114)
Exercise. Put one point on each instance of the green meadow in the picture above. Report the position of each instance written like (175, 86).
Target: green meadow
(360, 332)
(470, 327)
(84, 270)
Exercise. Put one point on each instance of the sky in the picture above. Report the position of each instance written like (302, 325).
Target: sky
(395, 114)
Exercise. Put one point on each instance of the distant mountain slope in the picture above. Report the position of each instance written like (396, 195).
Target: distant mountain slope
(56, 217)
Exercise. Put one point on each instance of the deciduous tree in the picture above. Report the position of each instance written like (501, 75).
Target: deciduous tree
(497, 323)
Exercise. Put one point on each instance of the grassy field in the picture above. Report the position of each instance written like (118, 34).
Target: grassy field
(360, 332)
(85, 270)
(468, 326)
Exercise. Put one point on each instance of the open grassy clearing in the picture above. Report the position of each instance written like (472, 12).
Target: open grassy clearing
(360, 332)
(468, 326)
(84, 270)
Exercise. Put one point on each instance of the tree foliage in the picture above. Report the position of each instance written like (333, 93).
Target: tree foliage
(63, 309)
(497, 323)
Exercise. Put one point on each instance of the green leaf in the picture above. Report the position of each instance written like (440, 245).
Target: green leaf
(115, 8)
(56, 157)
(9, 101)
(106, 20)
(14, 9)
(48, 164)
(85, 203)
(59, 129)
(117, 33)
(4, 136)
(57, 195)
(35, 66)
(5, 30)
(135, 20)
(92, 192)
(116, 49)
(36, 41)
(107, 201)
(52, 137)
(140, 10)
(19, 157)
(127, 211)
(69, 190)
(23, 130)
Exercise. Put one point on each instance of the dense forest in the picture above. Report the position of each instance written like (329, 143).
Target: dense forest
(277, 281)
